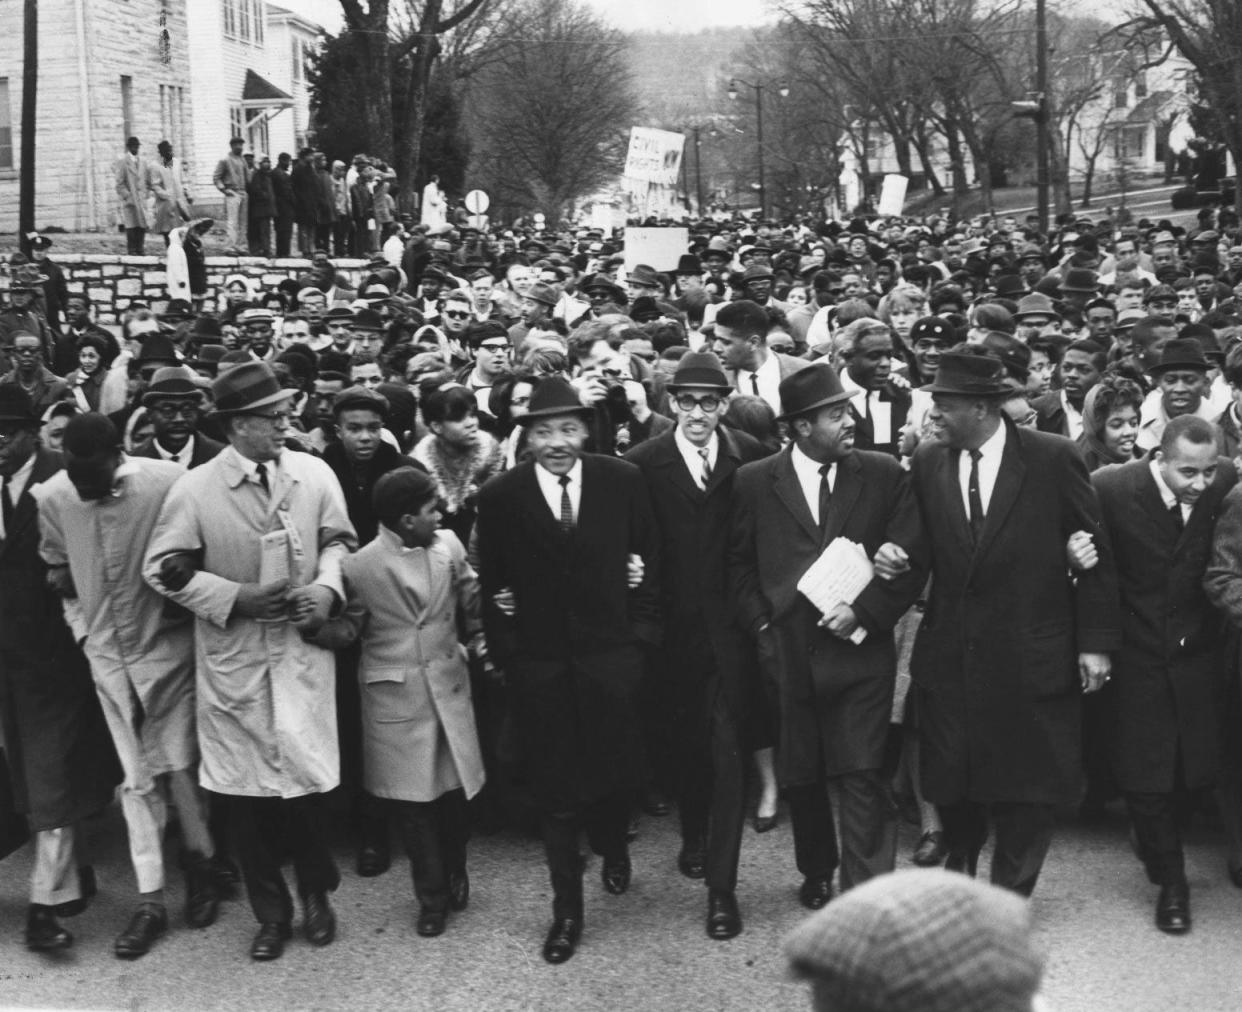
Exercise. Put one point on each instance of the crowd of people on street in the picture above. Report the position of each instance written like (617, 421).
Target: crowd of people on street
(883, 518)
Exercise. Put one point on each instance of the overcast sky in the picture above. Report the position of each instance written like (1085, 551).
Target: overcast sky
(675, 15)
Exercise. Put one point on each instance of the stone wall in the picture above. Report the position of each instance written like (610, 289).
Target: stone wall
(114, 283)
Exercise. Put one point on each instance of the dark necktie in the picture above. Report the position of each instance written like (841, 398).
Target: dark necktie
(8, 509)
(567, 507)
(706, 474)
(976, 499)
(261, 473)
(1175, 511)
(825, 495)
(754, 383)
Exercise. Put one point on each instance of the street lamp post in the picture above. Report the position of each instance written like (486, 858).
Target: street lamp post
(782, 89)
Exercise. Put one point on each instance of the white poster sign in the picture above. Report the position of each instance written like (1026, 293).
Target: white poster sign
(654, 156)
(660, 248)
(893, 195)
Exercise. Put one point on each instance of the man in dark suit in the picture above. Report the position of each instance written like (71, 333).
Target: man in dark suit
(834, 674)
(706, 670)
(1165, 728)
(557, 534)
(61, 762)
(741, 341)
(1008, 643)
(1060, 411)
(174, 400)
(878, 404)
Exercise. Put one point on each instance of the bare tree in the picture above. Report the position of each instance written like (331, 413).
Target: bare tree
(552, 108)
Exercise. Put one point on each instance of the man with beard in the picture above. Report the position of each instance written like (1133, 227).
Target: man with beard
(1060, 411)
(558, 532)
(174, 402)
(1008, 644)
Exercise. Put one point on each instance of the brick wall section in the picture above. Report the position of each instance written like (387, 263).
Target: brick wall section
(114, 282)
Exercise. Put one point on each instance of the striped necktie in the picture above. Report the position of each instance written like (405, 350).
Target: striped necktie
(567, 507)
(706, 475)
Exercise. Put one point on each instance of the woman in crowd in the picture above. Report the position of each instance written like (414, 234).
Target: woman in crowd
(1110, 420)
(86, 381)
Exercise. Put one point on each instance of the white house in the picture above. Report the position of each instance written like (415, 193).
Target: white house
(247, 79)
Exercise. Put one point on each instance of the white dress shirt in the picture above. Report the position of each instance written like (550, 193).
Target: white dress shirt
(550, 486)
(182, 457)
(16, 484)
(807, 471)
(989, 468)
(769, 376)
(1073, 418)
(1167, 496)
(693, 456)
(881, 411)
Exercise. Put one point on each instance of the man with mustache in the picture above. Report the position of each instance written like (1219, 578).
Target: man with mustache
(174, 401)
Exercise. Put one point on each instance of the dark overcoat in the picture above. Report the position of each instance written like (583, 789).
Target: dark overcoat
(61, 761)
(835, 697)
(694, 596)
(1168, 678)
(573, 652)
(994, 666)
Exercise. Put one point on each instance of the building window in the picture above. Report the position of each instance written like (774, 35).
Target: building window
(256, 134)
(1140, 84)
(237, 122)
(258, 18)
(297, 57)
(6, 127)
(127, 107)
(243, 20)
(172, 105)
(230, 18)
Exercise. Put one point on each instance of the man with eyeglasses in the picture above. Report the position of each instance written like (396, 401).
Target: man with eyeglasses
(339, 323)
(252, 544)
(174, 401)
(368, 331)
(705, 675)
(490, 343)
(44, 386)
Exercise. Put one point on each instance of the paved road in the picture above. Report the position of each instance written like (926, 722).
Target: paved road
(645, 950)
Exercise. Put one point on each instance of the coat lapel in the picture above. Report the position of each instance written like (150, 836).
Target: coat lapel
(671, 460)
(789, 491)
(1149, 498)
(26, 509)
(728, 460)
(951, 492)
(845, 492)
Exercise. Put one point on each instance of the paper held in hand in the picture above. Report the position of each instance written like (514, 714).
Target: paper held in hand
(838, 576)
(274, 561)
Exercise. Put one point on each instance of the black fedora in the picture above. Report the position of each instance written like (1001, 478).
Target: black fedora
(1181, 353)
(817, 386)
(700, 369)
(963, 375)
(554, 396)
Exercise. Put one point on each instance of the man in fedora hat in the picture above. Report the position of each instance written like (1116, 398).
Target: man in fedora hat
(757, 287)
(92, 515)
(251, 542)
(61, 764)
(1181, 387)
(832, 676)
(606, 297)
(557, 533)
(705, 671)
(644, 280)
(1078, 285)
(537, 305)
(174, 402)
(1008, 644)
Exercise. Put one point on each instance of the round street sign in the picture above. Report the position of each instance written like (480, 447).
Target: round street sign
(477, 202)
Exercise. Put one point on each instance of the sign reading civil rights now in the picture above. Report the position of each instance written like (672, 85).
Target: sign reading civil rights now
(654, 156)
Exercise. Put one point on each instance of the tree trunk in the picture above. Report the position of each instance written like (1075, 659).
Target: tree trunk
(922, 147)
(957, 165)
(371, 27)
(1058, 172)
(1088, 180)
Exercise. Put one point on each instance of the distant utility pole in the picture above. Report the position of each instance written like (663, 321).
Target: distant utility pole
(1041, 124)
(30, 104)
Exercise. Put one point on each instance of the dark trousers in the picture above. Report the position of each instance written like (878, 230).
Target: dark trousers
(340, 238)
(284, 233)
(868, 845)
(434, 834)
(1023, 836)
(135, 241)
(367, 815)
(711, 784)
(306, 237)
(1154, 817)
(266, 832)
(259, 237)
(606, 822)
